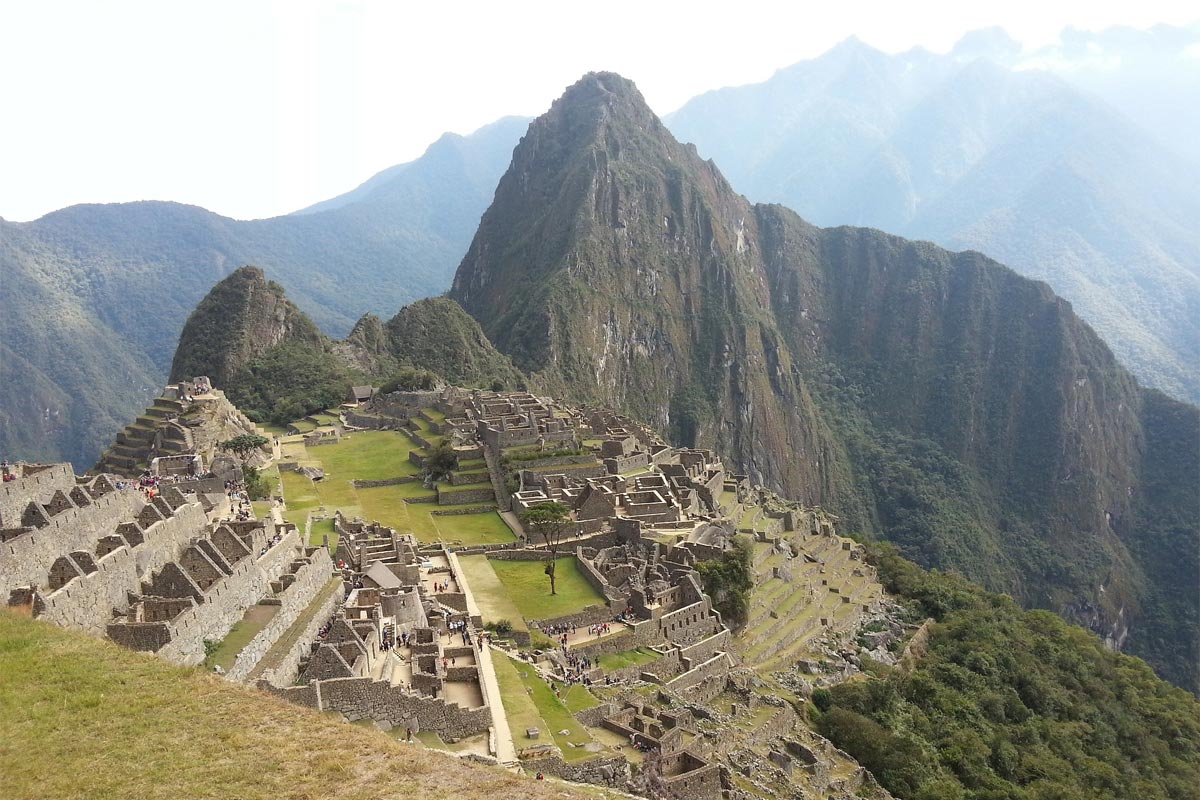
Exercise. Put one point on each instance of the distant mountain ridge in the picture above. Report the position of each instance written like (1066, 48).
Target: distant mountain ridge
(95, 296)
(973, 155)
(934, 398)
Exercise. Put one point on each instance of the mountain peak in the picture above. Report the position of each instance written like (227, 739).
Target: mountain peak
(240, 318)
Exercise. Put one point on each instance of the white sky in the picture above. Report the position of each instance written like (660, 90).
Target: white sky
(253, 108)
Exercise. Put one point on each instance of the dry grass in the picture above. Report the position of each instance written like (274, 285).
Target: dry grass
(83, 718)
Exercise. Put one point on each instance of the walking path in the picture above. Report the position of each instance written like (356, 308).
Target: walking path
(506, 752)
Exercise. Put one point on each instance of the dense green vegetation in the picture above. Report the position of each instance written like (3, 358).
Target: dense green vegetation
(1006, 704)
(729, 579)
(288, 381)
(409, 379)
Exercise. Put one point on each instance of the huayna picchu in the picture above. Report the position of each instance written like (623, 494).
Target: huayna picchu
(636, 505)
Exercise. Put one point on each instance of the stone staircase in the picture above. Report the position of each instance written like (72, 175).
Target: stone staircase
(152, 434)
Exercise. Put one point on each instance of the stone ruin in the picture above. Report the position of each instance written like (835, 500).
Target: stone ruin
(165, 574)
(403, 650)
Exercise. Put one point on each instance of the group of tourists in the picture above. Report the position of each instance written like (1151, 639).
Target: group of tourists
(577, 668)
(274, 540)
(459, 627)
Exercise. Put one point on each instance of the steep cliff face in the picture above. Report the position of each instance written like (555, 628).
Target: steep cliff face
(240, 319)
(934, 398)
(606, 269)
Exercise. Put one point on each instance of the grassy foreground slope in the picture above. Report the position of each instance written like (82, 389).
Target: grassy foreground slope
(82, 718)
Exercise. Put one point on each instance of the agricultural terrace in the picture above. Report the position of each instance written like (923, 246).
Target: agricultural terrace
(374, 456)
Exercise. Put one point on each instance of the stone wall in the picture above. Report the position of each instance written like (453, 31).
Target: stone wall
(371, 423)
(89, 600)
(284, 671)
(294, 600)
(385, 482)
(39, 485)
(716, 667)
(468, 478)
(363, 698)
(27, 558)
(225, 601)
(589, 615)
(603, 771)
(700, 781)
(454, 497)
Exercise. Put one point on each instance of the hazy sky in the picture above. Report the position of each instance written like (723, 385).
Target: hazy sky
(252, 108)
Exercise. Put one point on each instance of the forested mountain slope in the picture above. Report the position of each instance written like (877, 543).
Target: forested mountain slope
(965, 152)
(934, 398)
(95, 296)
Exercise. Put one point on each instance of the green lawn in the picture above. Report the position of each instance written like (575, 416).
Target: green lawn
(322, 528)
(529, 702)
(491, 596)
(377, 455)
(577, 698)
(474, 528)
(245, 629)
(629, 658)
(366, 455)
(300, 495)
(529, 587)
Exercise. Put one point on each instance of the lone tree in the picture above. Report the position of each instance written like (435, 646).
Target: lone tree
(442, 461)
(244, 445)
(550, 521)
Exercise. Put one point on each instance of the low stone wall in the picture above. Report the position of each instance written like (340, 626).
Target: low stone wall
(638, 460)
(457, 497)
(318, 441)
(294, 600)
(712, 673)
(696, 784)
(468, 478)
(372, 423)
(363, 698)
(385, 482)
(538, 464)
(417, 438)
(582, 472)
(590, 615)
(284, 671)
(610, 771)
(663, 667)
(454, 512)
